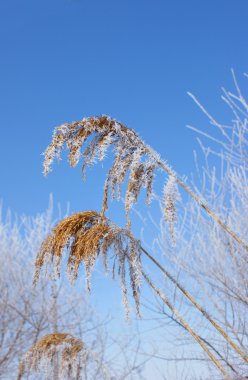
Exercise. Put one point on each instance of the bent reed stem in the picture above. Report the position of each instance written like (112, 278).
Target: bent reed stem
(131, 154)
(195, 303)
(185, 325)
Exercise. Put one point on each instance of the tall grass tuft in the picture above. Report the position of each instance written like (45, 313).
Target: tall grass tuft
(87, 235)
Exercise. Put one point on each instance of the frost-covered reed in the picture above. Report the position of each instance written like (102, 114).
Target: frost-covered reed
(61, 349)
(86, 236)
(133, 159)
(61, 356)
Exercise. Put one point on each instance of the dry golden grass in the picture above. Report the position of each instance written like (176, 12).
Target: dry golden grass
(60, 349)
(85, 236)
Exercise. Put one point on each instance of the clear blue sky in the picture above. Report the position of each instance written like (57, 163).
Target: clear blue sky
(133, 59)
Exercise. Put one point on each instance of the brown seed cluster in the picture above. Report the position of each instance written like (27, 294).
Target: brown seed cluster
(62, 350)
(131, 155)
(85, 236)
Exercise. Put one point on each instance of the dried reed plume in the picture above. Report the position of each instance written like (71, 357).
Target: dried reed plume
(61, 349)
(131, 155)
(87, 235)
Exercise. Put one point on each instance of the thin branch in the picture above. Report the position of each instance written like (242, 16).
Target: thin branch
(185, 324)
(195, 303)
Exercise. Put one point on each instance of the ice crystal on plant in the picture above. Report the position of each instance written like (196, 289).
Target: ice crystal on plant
(62, 350)
(171, 195)
(87, 235)
(61, 354)
(131, 155)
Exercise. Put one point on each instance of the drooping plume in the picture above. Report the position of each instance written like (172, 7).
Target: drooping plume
(61, 349)
(86, 236)
(61, 353)
(131, 155)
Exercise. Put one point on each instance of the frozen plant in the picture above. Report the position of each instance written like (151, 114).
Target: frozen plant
(87, 235)
(60, 351)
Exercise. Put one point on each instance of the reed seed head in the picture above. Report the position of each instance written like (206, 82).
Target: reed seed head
(131, 155)
(85, 236)
(61, 349)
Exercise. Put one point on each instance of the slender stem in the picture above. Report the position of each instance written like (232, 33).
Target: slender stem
(199, 307)
(186, 326)
(208, 344)
(54, 315)
(203, 205)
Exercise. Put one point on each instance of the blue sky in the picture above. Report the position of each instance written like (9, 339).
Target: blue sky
(134, 60)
